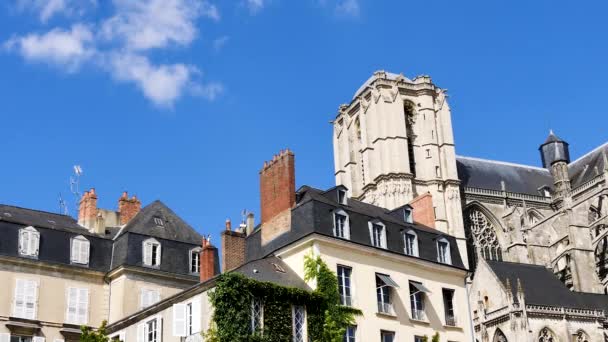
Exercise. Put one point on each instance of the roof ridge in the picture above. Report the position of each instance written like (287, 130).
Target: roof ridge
(37, 210)
(503, 163)
(588, 153)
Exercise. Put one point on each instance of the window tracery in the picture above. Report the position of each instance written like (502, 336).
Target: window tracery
(601, 258)
(581, 336)
(499, 336)
(482, 236)
(547, 335)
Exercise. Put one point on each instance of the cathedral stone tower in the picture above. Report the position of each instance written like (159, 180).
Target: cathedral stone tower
(555, 155)
(394, 142)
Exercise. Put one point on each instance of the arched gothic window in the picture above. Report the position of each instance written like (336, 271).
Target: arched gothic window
(358, 129)
(593, 214)
(409, 112)
(581, 336)
(601, 258)
(499, 336)
(481, 236)
(546, 335)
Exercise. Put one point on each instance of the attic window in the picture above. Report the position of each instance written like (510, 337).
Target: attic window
(278, 268)
(341, 196)
(159, 222)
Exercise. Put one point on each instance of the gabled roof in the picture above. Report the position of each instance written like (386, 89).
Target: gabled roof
(584, 168)
(274, 270)
(173, 227)
(488, 174)
(541, 287)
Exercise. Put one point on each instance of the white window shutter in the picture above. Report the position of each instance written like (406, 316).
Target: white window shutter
(23, 241)
(72, 294)
(85, 247)
(147, 253)
(75, 250)
(159, 329)
(31, 299)
(34, 241)
(158, 254)
(155, 297)
(143, 298)
(196, 315)
(19, 301)
(83, 306)
(371, 233)
(141, 332)
(5, 337)
(179, 320)
(383, 237)
(38, 339)
(347, 228)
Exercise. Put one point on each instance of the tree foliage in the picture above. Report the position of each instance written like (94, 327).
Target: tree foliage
(89, 335)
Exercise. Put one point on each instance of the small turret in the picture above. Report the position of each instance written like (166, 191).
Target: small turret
(554, 150)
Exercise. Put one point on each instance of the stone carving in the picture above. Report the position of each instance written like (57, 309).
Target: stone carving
(483, 235)
(581, 336)
(546, 335)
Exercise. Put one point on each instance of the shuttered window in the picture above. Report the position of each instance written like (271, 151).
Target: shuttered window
(26, 297)
(29, 240)
(150, 331)
(77, 305)
(151, 252)
(187, 318)
(80, 250)
(148, 297)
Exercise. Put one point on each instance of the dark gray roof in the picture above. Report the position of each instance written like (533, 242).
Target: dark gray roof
(173, 228)
(312, 215)
(488, 174)
(586, 167)
(553, 138)
(541, 287)
(274, 270)
(41, 219)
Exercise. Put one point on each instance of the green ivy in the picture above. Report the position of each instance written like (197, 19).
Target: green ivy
(233, 295)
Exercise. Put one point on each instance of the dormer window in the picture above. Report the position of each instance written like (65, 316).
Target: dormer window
(159, 222)
(80, 250)
(377, 233)
(411, 243)
(29, 241)
(341, 196)
(151, 253)
(408, 215)
(443, 251)
(341, 224)
(195, 260)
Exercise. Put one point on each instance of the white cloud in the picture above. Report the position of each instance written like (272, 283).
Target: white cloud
(147, 24)
(349, 8)
(162, 84)
(68, 48)
(255, 6)
(46, 9)
(219, 43)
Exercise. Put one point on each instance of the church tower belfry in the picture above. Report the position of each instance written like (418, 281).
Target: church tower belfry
(394, 142)
(555, 155)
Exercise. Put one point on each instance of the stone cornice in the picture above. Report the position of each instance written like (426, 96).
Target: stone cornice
(51, 267)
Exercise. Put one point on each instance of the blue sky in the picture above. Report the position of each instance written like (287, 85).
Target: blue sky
(183, 100)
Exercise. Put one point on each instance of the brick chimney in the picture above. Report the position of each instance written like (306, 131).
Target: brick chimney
(128, 207)
(87, 211)
(423, 210)
(233, 248)
(209, 261)
(277, 194)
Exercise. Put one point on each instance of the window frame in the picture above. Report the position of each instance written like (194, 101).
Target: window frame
(449, 321)
(371, 225)
(346, 299)
(31, 250)
(155, 261)
(417, 302)
(346, 227)
(408, 215)
(257, 323)
(415, 251)
(156, 323)
(384, 296)
(34, 303)
(84, 243)
(384, 333)
(341, 194)
(191, 254)
(143, 293)
(350, 337)
(294, 311)
(447, 257)
(76, 305)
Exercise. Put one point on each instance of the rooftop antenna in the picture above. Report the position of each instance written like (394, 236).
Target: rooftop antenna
(75, 183)
(63, 207)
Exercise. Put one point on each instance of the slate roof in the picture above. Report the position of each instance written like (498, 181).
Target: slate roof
(584, 168)
(313, 215)
(488, 174)
(173, 228)
(274, 270)
(541, 287)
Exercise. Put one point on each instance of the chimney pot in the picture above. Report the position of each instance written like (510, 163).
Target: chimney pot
(228, 225)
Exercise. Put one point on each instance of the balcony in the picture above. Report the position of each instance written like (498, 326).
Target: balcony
(386, 308)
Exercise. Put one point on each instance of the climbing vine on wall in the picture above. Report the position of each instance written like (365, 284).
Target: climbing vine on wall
(234, 293)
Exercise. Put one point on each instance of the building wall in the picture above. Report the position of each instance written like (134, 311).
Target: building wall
(53, 282)
(365, 262)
